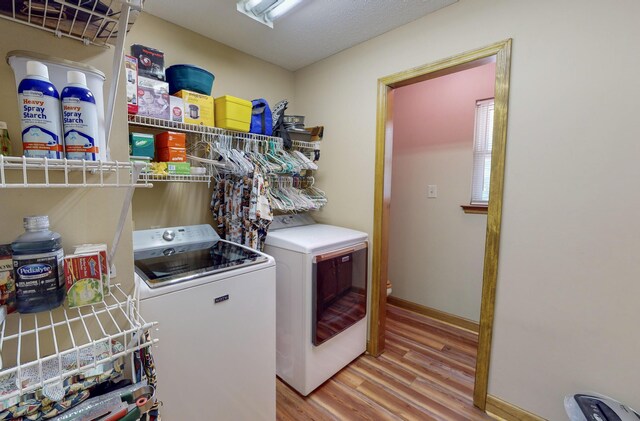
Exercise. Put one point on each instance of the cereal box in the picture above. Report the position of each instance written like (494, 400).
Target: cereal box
(105, 270)
(7, 283)
(84, 279)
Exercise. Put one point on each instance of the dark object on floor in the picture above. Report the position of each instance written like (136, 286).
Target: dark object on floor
(593, 406)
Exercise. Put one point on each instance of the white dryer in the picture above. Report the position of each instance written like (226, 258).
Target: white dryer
(321, 296)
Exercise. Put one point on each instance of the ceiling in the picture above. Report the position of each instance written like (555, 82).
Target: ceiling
(311, 31)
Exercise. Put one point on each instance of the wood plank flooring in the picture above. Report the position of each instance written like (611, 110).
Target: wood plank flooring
(425, 373)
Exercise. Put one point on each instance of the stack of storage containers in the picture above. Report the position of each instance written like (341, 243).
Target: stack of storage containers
(181, 93)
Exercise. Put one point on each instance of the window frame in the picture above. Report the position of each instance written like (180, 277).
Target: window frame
(482, 149)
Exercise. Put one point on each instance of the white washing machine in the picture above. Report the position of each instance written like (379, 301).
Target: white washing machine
(321, 296)
(215, 304)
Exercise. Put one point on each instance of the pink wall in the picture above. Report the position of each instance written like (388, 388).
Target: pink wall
(436, 251)
(441, 110)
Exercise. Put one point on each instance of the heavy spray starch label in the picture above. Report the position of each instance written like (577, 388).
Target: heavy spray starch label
(37, 274)
(40, 115)
(80, 119)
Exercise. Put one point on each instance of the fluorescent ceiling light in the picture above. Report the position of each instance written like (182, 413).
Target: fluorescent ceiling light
(265, 11)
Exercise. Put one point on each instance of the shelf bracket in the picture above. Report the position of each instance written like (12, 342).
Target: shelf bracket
(118, 58)
(136, 170)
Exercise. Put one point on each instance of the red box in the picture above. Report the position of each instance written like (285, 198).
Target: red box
(171, 154)
(83, 275)
(131, 74)
(171, 140)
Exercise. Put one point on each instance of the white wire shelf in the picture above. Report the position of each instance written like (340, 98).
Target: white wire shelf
(300, 144)
(42, 349)
(90, 21)
(193, 178)
(23, 172)
(158, 123)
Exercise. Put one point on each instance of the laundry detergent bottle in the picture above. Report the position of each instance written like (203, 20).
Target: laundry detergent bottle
(80, 120)
(38, 269)
(40, 114)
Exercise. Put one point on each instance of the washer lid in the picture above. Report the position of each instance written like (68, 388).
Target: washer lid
(166, 266)
(311, 238)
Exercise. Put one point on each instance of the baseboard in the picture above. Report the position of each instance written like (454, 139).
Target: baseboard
(442, 316)
(501, 410)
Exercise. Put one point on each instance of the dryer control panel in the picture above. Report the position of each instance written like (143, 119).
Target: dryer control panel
(290, 221)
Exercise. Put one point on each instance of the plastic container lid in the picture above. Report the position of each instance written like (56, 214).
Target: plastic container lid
(35, 68)
(36, 222)
(76, 77)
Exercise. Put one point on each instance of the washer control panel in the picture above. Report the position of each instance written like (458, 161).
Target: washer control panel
(173, 236)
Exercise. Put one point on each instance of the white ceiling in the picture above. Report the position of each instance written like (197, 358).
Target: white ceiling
(311, 31)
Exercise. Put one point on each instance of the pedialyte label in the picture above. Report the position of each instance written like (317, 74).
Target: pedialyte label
(37, 274)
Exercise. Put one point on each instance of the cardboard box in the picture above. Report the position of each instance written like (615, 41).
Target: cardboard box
(233, 113)
(7, 283)
(141, 144)
(159, 168)
(198, 108)
(153, 98)
(170, 139)
(179, 168)
(131, 73)
(105, 269)
(177, 109)
(84, 280)
(150, 61)
(171, 154)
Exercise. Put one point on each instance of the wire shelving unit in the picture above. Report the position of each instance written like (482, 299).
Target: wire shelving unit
(43, 349)
(23, 172)
(89, 21)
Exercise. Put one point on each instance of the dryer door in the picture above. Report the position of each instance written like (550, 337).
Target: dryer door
(339, 291)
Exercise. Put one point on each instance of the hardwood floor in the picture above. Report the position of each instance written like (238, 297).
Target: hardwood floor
(425, 373)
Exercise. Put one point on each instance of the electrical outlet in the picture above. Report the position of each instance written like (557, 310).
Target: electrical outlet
(432, 191)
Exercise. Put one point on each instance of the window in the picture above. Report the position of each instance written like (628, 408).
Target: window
(482, 142)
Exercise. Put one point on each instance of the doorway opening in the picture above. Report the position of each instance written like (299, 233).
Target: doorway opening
(500, 53)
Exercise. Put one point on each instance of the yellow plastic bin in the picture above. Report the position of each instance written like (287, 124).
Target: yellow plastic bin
(233, 113)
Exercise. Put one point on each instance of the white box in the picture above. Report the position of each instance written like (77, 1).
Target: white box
(176, 106)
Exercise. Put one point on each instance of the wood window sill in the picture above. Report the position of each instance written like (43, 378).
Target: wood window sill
(477, 209)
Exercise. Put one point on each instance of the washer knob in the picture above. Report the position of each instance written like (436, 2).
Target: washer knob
(169, 235)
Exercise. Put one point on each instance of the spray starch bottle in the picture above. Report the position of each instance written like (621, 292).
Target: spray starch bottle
(40, 114)
(80, 119)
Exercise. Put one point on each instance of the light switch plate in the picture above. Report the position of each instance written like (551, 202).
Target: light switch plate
(432, 191)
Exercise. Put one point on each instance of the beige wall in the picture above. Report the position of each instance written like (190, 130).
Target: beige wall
(91, 215)
(436, 251)
(567, 313)
(79, 215)
(237, 74)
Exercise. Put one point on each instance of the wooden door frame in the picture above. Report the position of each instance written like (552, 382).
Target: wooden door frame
(384, 139)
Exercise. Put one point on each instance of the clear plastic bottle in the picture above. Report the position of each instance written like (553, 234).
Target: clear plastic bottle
(5, 142)
(38, 261)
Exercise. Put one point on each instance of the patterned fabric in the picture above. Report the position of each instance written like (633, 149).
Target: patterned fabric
(35, 406)
(144, 364)
(241, 209)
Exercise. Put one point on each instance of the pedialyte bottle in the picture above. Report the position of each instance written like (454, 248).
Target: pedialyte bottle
(79, 119)
(38, 269)
(40, 114)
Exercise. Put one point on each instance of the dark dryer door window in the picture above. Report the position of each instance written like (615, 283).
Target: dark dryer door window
(339, 291)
